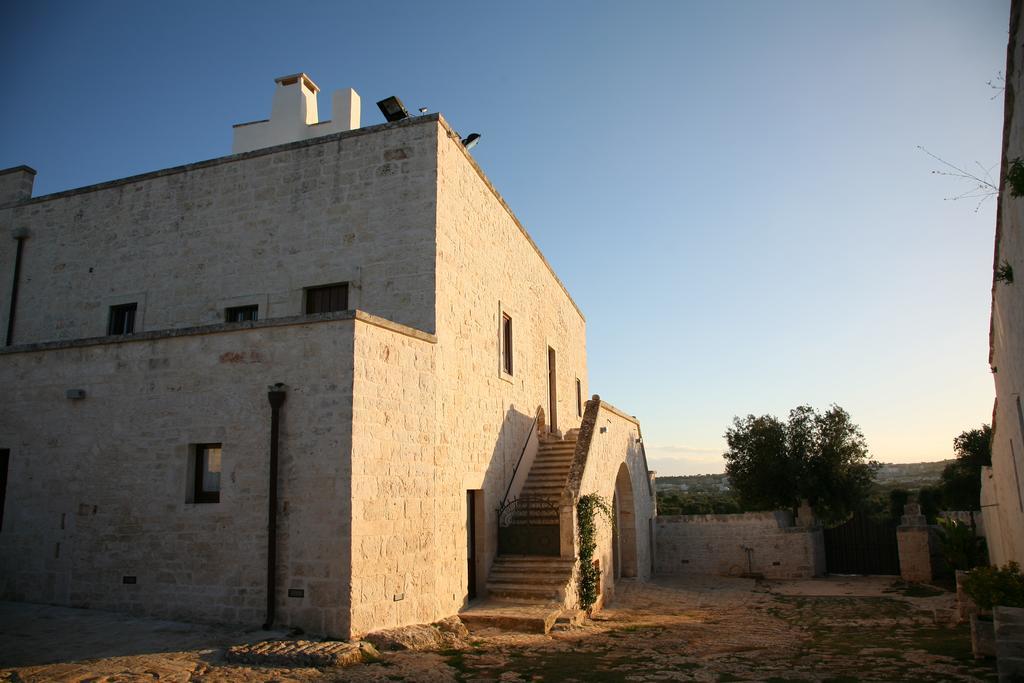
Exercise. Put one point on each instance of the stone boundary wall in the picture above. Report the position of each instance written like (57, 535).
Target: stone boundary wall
(717, 545)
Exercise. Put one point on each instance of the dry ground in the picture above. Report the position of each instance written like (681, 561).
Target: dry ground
(852, 629)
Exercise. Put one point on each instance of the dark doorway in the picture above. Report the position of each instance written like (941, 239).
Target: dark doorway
(552, 391)
(471, 551)
(5, 456)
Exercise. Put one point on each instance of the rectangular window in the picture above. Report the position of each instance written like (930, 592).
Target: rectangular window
(207, 473)
(506, 343)
(579, 398)
(122, 319)
(240, 314)
(327, 298)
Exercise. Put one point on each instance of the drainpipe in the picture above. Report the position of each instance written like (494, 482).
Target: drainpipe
(276, 395)
(19, 235)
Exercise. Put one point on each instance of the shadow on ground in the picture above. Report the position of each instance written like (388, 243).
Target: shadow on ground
(35, 635)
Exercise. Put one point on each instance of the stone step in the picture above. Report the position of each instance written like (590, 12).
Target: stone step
(549, 479)
(534, 474)
(528, 578)
(535, 569)
(510, 616)
(544, 489)
(525, 592)
(533, 561)
(550, 466)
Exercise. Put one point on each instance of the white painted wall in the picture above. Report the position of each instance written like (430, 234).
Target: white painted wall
(294, 116)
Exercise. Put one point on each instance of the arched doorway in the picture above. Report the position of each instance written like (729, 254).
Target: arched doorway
(624, 536)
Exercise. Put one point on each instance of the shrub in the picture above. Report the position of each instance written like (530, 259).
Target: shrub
(990, 586)
(959, 545)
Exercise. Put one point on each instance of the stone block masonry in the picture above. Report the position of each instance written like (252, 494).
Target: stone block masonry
(98, 512)
(763, 543)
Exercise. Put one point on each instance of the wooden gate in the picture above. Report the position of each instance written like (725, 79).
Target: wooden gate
(862, 545)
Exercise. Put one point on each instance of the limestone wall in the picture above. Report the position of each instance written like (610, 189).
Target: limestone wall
(1003, 492)
(716, 545)
(256, 228)
(401, 560)
(97, 487)
(615, 469)
(487, 264)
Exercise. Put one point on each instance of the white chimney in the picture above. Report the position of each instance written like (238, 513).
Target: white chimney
(293, 116)
(294, 101)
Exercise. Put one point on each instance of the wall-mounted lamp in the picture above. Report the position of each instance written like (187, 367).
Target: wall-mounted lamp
(471, 140)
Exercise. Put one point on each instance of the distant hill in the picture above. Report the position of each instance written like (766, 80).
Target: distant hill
(912, 475)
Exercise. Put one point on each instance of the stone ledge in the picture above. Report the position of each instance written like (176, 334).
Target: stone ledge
(222, 328)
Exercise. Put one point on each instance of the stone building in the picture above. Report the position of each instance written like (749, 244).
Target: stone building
(1002, 490)
(328, 381)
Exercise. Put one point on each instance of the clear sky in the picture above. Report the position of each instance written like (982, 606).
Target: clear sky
(731, 191)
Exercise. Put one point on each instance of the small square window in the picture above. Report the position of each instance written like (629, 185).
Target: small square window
(506, 343)
(206, 486)
(122, 319)
(240, 314)
(327, 298)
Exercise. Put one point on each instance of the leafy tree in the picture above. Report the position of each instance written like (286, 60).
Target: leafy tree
(821, 457)
(897, 501)
(961, 480)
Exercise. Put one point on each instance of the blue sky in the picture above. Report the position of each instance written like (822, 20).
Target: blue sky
(732, 192)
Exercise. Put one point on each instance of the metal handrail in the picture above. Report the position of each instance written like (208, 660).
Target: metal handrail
(515, 470)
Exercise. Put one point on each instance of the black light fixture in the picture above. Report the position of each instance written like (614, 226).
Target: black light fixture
(471, 140)
(393, 109)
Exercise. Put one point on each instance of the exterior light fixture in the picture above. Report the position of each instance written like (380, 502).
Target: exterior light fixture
(393, 109)
(471, 140)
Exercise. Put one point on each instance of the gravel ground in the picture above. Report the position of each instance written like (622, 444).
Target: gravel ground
(679, 629)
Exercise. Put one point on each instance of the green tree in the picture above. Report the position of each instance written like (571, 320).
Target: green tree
(961, 480)
(821, 457)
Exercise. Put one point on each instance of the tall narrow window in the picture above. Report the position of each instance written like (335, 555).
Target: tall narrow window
(327, 298)
(207, 473)
(579, 398)
(239, 314)
(506, 343)
(122, 319)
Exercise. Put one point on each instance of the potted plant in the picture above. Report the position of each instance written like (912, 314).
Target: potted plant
(988, 587)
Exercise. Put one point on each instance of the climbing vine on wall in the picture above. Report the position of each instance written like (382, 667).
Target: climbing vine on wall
(587, 510)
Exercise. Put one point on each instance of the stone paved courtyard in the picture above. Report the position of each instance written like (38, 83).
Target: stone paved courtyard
(838, 629)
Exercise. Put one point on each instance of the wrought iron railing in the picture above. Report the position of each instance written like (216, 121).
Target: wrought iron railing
(529, 525)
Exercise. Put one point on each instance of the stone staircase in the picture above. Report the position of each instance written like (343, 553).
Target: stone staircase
(550, 470)
(529, 578)
(528, 592)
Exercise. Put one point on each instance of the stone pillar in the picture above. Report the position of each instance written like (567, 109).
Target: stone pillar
(16, 184)
(805, 515)
(1009, 630)
(913, 537)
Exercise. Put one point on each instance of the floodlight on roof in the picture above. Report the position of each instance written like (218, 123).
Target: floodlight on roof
(471, 140)
(393, 109)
